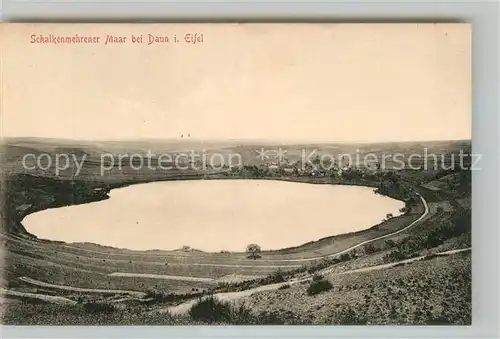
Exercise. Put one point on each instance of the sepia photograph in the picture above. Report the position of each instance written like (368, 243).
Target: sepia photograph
(236, 174)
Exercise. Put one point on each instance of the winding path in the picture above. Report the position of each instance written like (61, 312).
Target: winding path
(161, 276)
(43, 297)
(79, 289)
(231, 296)
(184, 307)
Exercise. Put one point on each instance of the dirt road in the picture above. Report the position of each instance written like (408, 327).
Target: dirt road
(231, 296)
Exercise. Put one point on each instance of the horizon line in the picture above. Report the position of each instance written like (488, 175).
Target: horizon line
(234, 140)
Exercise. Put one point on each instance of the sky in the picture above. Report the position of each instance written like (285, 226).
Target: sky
(295, 82)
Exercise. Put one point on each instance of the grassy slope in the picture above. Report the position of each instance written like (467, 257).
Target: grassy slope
(399, 295)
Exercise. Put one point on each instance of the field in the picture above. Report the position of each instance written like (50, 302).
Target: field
(87, 277)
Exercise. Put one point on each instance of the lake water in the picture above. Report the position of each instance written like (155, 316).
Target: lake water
(215, 215)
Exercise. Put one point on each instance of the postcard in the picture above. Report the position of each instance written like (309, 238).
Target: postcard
(235, 174)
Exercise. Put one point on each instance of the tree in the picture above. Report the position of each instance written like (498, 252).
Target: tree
(252, 251)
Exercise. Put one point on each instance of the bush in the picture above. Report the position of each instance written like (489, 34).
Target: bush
(396, 255)
(313, 269)
(345, 257)
(212, 310)
(276, 277)
(98, 307)
(241, 315)
(369, 249)
(317, 287)
(322, 264)
(317, 277)
(390, 243)
(161, 297)
(156, 295)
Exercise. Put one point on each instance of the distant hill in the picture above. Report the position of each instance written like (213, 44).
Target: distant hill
(12, 150)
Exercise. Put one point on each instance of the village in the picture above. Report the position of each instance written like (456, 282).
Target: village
(315, 168)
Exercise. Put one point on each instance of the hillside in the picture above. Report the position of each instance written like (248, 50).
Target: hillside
(363, 277)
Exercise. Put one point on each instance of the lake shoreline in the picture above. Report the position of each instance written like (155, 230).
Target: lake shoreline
(96, 191)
